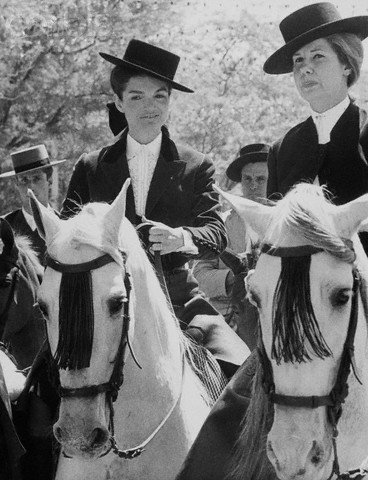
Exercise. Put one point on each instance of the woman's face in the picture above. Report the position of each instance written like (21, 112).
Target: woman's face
(320, 77)
(145, 103)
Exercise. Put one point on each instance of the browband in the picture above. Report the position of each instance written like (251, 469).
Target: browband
(300, 250)
(78, 267)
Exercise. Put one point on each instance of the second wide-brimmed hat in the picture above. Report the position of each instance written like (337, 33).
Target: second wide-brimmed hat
(308, 24)
(146, 58)
(253, 153)
(29, 160)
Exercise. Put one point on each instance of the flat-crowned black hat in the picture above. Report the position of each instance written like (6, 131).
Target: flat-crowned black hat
(29, 160)
(253, 153)
(144, 57)
(308, 24)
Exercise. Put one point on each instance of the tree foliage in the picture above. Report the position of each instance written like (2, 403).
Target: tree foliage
(54, 86)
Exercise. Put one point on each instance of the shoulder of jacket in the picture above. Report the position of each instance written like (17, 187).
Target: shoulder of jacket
(188, 153)
(9, 217)
(290, 134)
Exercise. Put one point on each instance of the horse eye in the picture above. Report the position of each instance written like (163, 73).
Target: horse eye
(115, 305)
(43, 308)
(340, 298)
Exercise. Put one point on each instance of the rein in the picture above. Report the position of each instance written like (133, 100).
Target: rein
(339, 392)
(111, 388)
(14, 281)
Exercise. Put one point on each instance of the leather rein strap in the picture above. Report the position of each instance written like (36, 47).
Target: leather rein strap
(339, 392)
(111, 388)
(14, 271)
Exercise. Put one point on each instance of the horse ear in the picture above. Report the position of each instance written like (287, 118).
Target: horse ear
(116, 213)
(256, 215)
(352, 217)
(47, 222)
(7, 237)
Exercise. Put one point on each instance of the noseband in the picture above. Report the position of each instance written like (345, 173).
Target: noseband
(339, 392)
(112, 387)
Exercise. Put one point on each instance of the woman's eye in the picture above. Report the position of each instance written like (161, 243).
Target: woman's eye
(297, 60)
(341, 298)
(318, 55)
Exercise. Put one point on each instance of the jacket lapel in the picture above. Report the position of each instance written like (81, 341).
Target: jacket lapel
(115, 170)
(167, 168)
(303, 156)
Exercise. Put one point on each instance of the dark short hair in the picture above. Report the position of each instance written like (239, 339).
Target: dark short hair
(349, 50)
(120, 76)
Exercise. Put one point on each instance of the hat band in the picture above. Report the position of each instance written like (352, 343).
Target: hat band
(152, 68)
(30, 166)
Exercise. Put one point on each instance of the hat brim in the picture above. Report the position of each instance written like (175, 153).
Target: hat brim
(233, 171)
(12, 173)
(281, 61)
(119, 61)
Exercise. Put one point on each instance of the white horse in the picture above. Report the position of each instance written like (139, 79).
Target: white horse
(306, 290)
(162, 402)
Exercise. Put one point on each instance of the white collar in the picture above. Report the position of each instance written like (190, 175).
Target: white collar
(325, 121)
(136, 149)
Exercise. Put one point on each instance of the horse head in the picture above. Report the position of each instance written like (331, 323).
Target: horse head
(306, 287)
(83, 299)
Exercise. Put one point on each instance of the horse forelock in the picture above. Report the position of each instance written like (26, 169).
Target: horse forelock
(304, 217)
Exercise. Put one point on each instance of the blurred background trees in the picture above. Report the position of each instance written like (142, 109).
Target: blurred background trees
(54, 86)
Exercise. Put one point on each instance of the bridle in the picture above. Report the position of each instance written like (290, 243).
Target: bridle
(112, 387)
(14, 274)
(334, 400)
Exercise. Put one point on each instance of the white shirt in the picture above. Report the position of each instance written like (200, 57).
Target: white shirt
(142, 160)
(325, 121)
(29, 219)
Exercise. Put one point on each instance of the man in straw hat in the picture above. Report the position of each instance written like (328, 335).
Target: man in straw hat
(217, 278)
(171, 184)
(31, 169)
(325, 54)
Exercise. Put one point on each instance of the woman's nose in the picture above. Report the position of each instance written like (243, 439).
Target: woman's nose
(306, 67)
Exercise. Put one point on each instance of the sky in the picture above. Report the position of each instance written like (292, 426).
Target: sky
(276, 10)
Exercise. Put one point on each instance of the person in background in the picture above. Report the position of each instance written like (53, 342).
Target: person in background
(32, 170)
(325, 53)
(214, 276)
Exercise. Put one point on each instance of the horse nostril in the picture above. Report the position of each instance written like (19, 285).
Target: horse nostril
(99, 436)
(316, 453)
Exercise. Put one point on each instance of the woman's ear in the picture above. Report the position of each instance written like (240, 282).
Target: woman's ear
(118, 103)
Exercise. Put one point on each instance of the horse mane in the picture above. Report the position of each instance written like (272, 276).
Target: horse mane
(87, 227)
(307, 211)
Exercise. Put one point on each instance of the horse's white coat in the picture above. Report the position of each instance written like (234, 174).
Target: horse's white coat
(300, 444)
(146, 395)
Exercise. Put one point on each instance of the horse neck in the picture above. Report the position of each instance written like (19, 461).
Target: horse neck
(160, 384)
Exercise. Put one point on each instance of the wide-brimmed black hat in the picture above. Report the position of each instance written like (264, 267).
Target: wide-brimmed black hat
(307, 24)
(154, 61)
(253, 153)
(29, 160)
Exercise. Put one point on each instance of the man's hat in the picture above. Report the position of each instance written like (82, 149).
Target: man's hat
(307, 24)
(29, 160)
(154, 61)
(255, 152)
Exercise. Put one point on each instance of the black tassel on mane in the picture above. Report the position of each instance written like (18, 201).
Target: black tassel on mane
(295, 329)
(76, 321)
